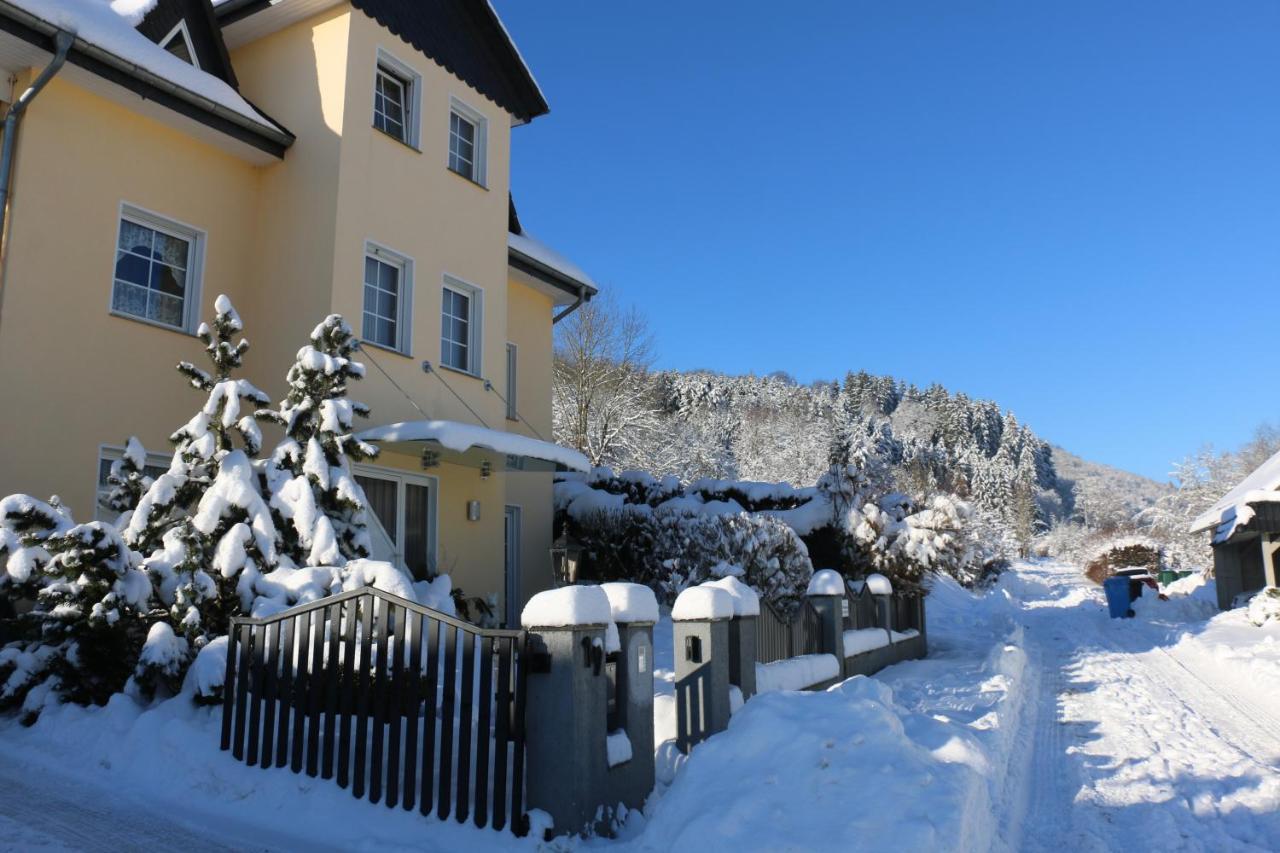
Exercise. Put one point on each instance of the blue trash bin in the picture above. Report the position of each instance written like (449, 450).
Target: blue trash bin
(1117, 590)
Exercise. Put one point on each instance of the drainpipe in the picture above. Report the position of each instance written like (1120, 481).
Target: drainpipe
(577, 303)
(62, 44)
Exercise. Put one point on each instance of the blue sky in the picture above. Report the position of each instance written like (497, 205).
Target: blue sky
(1071, 208)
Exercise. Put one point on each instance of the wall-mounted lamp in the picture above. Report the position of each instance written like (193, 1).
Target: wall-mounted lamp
(430, 459)
(485, 469)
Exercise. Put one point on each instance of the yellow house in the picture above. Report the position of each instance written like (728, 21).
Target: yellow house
(304, 157)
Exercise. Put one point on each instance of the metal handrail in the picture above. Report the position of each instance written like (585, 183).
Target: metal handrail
(392, 598)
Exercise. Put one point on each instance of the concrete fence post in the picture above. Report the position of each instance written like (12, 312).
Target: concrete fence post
(700, 618)
(630, 773)
(826, 594)
(566, 704)
(742, 634)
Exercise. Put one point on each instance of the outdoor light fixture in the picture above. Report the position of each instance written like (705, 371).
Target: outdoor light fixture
(485, 469)
(430, 459)
(566, 560)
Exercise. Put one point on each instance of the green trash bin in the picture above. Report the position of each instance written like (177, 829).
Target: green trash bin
(1167, 576)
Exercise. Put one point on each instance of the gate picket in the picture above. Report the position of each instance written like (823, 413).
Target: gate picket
(415, 707)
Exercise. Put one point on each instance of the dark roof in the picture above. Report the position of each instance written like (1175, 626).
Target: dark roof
(464, 37)
(206, 36)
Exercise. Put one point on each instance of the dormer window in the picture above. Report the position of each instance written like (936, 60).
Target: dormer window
(178, 42)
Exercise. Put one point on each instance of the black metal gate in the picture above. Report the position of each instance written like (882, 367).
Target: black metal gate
(407, 705)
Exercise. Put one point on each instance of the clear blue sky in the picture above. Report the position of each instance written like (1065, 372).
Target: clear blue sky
(1070, 208)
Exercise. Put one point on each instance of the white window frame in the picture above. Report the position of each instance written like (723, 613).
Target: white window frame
(475, 336)
(401, 478)
(411, 79)
(194, 236)
(113, 453)
(404, 302)
(481, 147)
(513, 376)
(181, 29)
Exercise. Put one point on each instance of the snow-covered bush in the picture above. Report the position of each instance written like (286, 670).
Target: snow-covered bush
(1265, 606)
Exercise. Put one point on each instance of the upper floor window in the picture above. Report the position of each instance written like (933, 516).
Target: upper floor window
(467, 131)
(387, 293)
(178, 42)
(157, 271)
(395, 99)
(460, 326)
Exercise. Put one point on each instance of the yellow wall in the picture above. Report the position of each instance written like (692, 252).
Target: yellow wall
(286, 243)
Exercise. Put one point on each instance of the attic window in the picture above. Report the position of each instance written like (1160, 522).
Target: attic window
(178, 42)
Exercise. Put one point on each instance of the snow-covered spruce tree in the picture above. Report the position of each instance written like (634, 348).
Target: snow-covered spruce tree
(128, 480)
(319, 508)
(208, 503)
(92, 613)
(25, 526)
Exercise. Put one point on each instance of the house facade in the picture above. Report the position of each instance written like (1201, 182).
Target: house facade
(1244, 526)
(304, 157)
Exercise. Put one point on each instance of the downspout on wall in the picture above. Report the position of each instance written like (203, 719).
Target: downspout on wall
(62, 41)
(577, 303)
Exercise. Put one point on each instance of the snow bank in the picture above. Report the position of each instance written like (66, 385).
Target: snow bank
(461, 437)
(864, 640)
(208, 672)
(631, 602)
(566, 607)
(826, 582)
(745, 600)
(703, 602)
(1265, 607)
(796, 673)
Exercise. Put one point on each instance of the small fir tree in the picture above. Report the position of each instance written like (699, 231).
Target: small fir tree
(319, 508)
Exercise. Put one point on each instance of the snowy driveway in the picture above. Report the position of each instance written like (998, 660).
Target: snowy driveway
(1138, 742)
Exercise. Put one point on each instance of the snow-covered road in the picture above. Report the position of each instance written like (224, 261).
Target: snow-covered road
(1036, 723)
(1134, 742)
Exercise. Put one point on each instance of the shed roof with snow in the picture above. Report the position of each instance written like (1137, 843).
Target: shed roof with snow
(1239, 507)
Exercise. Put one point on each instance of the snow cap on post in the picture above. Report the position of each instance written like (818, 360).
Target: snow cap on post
(827, 582)
(631, 602)
(698, 603)
(878, 584)
(745, 600)
(567, 607)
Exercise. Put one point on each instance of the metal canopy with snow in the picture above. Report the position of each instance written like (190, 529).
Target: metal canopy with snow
(467, 444)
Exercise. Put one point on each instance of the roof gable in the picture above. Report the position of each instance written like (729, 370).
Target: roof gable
(467, 39)
(206, 37)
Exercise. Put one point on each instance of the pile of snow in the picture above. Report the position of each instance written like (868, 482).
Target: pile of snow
(703, 602)
(437, 594)
(567, 607)
(862, 640)
(879, 585)
(631, 602)
(745, 600)
(797, 673)
(826, 582)
(618, 748)
(1190, 599)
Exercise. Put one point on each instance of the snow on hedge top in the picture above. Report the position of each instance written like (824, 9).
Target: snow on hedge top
(566, 607)
(110, 26)
(462, 437)
(703, 602)
(631, 602)
(547, 256)
(745, 600)
(1229, 511)
(827, 582)
(878, 584)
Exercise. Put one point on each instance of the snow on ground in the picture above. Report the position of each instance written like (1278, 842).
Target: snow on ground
(1037, 723)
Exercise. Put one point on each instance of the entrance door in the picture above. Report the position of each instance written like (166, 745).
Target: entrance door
(511, 539)
(402, 526)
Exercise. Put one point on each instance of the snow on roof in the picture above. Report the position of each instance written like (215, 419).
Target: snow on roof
(538, 251)
(462, 437)
(110, 27)
(1232, 508)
